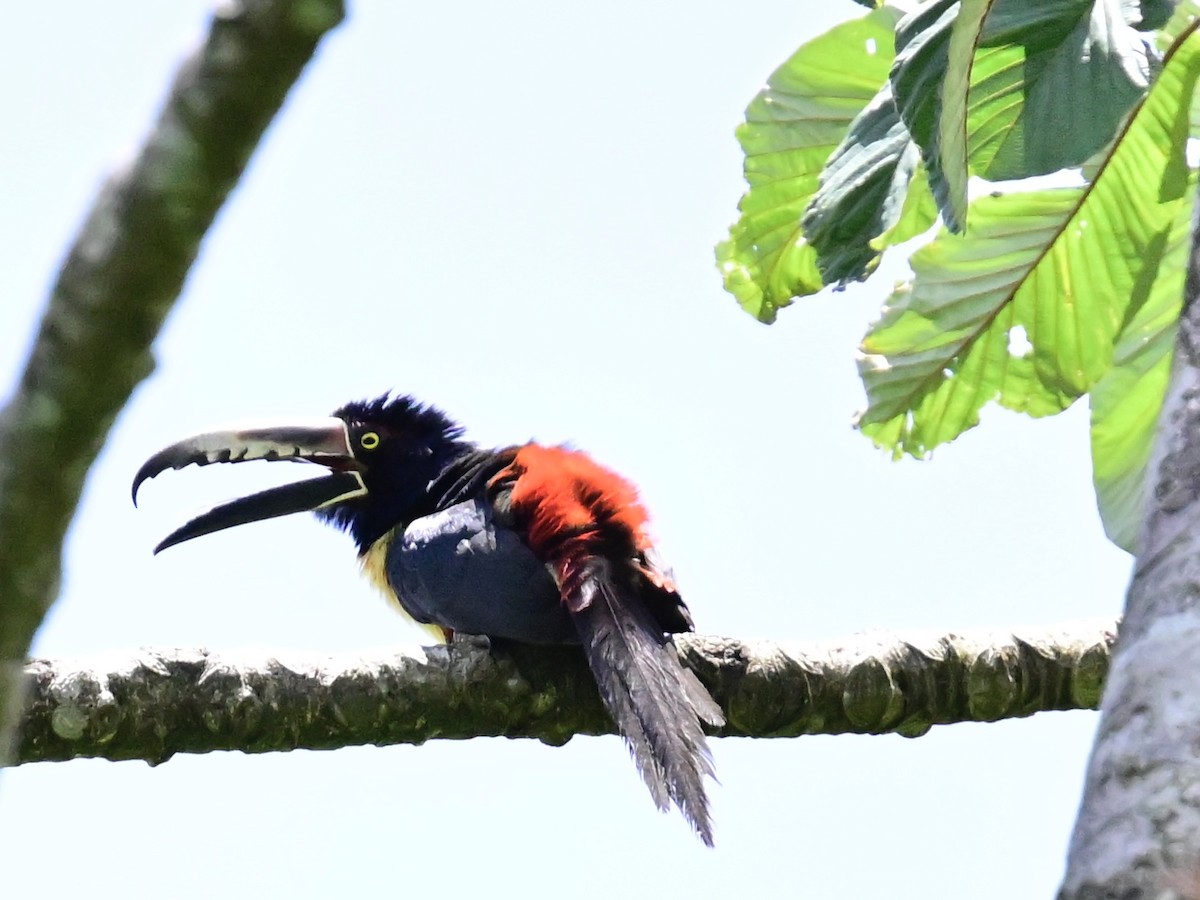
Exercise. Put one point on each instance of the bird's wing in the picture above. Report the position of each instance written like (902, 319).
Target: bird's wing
(587, 524)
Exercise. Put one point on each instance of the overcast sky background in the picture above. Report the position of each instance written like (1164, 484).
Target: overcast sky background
(509, 210)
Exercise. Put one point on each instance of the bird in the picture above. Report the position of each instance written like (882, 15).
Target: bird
(530, 543)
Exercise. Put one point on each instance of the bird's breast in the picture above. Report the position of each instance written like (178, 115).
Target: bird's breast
(460, 569)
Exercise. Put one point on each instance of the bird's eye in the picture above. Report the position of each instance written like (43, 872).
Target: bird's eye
(369, 440)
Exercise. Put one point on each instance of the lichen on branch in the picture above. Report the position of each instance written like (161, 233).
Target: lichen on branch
(159, 703)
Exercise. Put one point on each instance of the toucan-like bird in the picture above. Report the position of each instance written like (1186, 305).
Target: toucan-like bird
(530, 543)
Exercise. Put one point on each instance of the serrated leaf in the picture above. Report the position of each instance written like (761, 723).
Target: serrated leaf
(1050, 84)
(1148, 15)
(922, 42)
(952, 141)
(1181, 17)
(791, 128)
(863, 193)
(942, 347)
(1025, 307)
(917, 214)
(1127, 400)
(1047, 85)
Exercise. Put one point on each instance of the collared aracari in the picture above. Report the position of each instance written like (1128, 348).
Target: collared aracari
(530, 543)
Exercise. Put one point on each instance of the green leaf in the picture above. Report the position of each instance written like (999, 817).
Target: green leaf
(1181, 16)
(1050, 84)
(922, 41)
(1126, 402)
(952, 141)
(1007, 89)
(791, 129)
(1026, 306)
(1148, 15)
(864, 193)
(945, 344)
(917, 215)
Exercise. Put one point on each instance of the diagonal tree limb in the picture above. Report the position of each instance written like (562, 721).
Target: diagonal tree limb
(192, 701)
(117, 284)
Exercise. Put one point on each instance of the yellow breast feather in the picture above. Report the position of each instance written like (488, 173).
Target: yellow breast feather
(374, 567)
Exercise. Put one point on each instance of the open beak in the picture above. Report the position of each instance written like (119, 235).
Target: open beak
(323, 441)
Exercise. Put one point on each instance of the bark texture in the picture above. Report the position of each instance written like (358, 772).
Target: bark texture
(1138, 831)
(120, 277)
(192, 701)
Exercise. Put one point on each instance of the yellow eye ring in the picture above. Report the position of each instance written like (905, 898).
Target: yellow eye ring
(369, 440)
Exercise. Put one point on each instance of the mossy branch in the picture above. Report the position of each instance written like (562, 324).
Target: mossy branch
(160, 703)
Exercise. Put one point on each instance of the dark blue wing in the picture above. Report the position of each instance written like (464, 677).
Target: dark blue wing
(461, 569)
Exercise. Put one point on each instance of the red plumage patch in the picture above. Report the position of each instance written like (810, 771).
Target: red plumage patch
(563, 496)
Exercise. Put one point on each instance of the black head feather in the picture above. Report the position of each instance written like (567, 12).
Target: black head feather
(406, 417)
(402, 446)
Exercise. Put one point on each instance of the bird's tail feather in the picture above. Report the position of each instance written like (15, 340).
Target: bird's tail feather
(656, 703)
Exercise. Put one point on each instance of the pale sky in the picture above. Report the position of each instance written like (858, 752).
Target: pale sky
(509, 211)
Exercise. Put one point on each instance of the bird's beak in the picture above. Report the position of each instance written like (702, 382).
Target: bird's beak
(323, 441)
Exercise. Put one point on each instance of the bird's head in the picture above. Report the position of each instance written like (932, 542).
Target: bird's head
(381, 455)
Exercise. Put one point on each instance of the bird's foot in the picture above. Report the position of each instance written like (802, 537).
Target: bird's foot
(482, 641)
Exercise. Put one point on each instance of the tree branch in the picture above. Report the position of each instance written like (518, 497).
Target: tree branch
(193, 701)
(117, 284)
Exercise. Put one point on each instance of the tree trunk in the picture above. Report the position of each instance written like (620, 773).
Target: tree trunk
(1138, 831)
